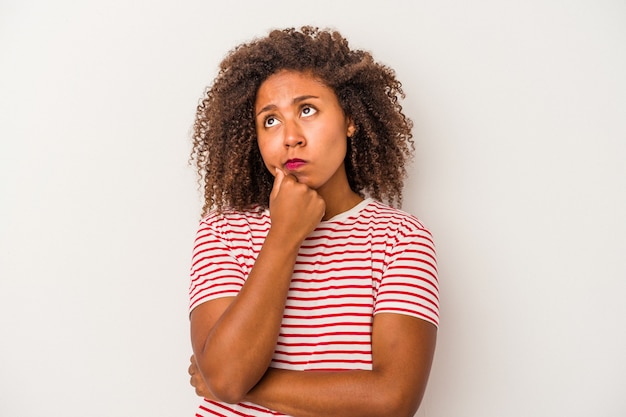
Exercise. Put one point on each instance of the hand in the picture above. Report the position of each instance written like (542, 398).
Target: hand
(295, 209)
(197, 381)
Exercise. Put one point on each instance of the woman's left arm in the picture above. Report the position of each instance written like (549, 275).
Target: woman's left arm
(402, 352)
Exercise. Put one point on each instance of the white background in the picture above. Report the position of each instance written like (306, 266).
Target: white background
(520, 172)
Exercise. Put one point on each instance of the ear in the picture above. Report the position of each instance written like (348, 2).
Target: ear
(351, 128)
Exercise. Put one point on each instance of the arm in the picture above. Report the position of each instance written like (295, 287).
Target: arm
(402, 346)
(233, 338)
(402, 350)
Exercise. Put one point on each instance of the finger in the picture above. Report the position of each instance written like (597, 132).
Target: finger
(278, 180)
(193, 367)
(195, 382)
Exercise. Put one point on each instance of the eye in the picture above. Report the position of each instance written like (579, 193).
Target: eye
(308, 111)
(271, 121)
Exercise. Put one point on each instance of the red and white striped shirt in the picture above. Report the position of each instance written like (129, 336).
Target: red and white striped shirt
(371, 259)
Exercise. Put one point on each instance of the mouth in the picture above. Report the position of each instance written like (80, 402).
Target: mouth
(294, 164)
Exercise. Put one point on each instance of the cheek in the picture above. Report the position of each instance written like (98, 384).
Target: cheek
(266, 155)
(340, 144)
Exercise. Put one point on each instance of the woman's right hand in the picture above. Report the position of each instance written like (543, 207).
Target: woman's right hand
(233, 344)
(295, 209)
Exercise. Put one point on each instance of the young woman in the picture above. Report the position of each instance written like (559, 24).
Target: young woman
(309, 295)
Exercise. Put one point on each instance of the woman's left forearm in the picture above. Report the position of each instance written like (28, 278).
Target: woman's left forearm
(327, 394)
(402, 351)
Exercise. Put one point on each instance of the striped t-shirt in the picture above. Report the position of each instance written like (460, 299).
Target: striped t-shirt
(371, 259)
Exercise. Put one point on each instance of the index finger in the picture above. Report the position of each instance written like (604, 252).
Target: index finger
(278, 180)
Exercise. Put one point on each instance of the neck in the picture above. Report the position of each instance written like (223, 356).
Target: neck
(338, 204)
(338, 195)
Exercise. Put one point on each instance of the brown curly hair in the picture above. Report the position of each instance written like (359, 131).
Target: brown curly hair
(225, 149)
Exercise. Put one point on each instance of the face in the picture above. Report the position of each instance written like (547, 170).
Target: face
(302, 129)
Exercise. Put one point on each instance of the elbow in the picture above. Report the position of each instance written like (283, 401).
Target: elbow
(407, 403)
(406, 408)
(226, 391)
(400, 408)
(229, 384)
(225, 380)
(397, 403)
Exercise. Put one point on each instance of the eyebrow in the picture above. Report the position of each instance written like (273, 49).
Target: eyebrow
(295, 101)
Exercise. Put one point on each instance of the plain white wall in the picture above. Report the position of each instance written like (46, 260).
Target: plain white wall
(519, 111)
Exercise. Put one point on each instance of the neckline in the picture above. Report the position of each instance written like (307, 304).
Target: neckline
(343, 215)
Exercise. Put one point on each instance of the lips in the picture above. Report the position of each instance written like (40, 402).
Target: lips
(294, 164)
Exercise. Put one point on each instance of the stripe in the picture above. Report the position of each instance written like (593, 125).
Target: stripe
(376, 260)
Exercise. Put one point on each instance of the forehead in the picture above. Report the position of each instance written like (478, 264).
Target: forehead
(286, 85)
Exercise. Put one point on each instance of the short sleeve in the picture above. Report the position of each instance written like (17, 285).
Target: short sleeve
(409, 284)
(215, 271)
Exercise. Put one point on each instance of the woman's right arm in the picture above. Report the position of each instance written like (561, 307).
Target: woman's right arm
(233, 338)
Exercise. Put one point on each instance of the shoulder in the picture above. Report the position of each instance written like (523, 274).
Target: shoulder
(393, 218)
(235, 218)
(231, 225)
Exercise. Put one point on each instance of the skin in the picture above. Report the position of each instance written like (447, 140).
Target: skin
(297, 116)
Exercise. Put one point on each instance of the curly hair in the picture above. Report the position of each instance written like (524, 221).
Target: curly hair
(225, 151)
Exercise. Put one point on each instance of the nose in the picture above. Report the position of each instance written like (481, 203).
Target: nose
(293, 134)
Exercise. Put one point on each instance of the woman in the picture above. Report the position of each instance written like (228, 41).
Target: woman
(309, 295)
